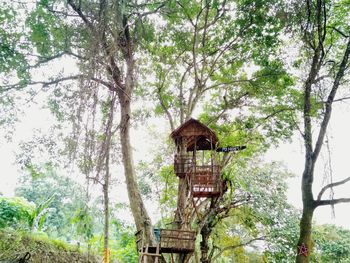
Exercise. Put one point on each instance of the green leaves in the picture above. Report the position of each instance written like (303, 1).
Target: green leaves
(57, 199)
(39, 215)
(124, 247)
(266, 213)
(16, 213)
(84, 223)
(169, 194)
(332, 243)
(47, 32)
(13, 63)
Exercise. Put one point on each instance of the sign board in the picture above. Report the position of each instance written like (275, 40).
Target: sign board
(231, 148)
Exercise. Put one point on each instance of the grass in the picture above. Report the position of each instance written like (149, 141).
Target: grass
(15, 244)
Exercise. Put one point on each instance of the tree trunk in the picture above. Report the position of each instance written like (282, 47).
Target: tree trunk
(141, 217)
(105, 186)
(106, 220)
(204, 245)
(305, 235)
(182, 198)
(182, 195)
(181, 217)
(308, 210)
(180, 221)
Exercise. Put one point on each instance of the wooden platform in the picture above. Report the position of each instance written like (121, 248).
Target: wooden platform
(153, 250)
(171, 241)
(204, 194)
(177, 241)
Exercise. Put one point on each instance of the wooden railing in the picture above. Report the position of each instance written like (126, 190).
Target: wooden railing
(170, 241)
(183, 164)
(206, 181)
(177, 241)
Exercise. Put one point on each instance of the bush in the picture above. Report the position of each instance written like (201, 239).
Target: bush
(15, 213)
(42, 249)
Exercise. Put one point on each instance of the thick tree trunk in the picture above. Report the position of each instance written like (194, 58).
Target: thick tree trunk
(181, 215)
(180, 220)
(304, 247)
(305, 235)
(182, 198)
(206, 230)
(141, 217)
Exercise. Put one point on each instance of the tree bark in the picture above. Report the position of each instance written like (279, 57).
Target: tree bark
(106, 220)
(308, 210)
(106, 153)
(305, 235)
(182, 198)
(204, 244)
(182, 195)
(141, 217)
(180, 220)
(125, 91)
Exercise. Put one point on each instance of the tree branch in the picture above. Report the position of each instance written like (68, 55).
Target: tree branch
(140, 15)
(166, 110)
(341, 99)
(186, 13)
(277, 112)
(43, 60)
(77, 9)
(339, 31)
(330, 100)
(332, 201)
(94, 179)
(237, 246)
(330, 186)
(56, 81)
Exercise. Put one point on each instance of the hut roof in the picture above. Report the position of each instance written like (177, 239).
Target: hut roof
(199, 132)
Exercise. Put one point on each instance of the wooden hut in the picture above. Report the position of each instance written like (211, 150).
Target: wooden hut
(168, 241)
(192, 139)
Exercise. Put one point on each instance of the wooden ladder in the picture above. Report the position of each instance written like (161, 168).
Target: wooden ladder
(145, 255)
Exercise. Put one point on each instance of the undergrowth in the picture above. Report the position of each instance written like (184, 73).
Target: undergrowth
(15, 244)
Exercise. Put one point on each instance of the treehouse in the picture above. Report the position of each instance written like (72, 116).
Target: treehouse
(168, 241)
(194, 158)
(194, 163)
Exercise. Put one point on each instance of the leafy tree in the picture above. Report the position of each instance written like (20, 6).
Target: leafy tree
(332, 243)
(64, 196)
(16, 213)
(221, 59)
(262, 217)
(19, 213)
(326, 50)
(13, 62)
(106, 56)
